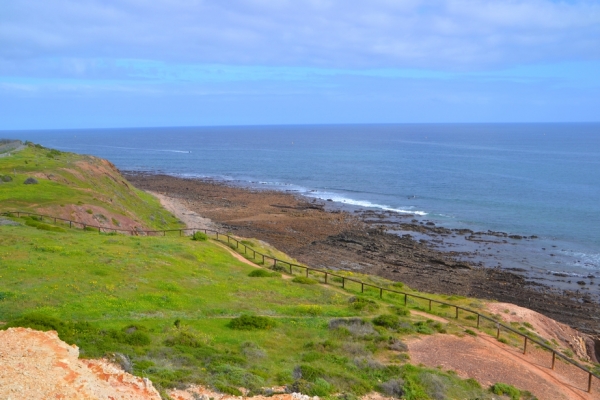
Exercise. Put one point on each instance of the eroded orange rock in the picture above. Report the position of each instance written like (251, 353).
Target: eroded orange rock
(38, 365)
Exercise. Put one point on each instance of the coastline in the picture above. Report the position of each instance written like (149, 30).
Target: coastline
(395, 246)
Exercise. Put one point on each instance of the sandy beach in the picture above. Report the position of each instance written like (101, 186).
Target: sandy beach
(324, 236)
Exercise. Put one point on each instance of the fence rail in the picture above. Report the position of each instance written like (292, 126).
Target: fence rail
(232, 240)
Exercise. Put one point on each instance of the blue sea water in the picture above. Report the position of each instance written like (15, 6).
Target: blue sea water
(527, 179)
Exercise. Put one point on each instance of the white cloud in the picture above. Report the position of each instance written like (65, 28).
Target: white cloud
(443, 34)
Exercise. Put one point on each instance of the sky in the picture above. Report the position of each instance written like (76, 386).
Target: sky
(70, 64)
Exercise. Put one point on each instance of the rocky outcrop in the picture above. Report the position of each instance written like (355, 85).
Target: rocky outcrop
(38, 365)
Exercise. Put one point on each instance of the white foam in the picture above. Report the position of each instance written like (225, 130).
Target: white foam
(365, 203)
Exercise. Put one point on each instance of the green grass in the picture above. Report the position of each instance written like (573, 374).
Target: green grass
(168, 304)
(82, 181)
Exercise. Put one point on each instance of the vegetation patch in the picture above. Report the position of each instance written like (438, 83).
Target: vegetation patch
(505, 389)
(363, 304)
(251, 322)
(304, 280)
(261, 273)
(200, 236)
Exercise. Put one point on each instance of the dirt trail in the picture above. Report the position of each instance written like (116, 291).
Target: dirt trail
(489, 361)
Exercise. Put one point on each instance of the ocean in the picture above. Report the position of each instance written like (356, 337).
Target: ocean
(524, 179)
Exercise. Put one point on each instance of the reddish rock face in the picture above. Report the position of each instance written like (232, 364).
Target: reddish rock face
(38, 365)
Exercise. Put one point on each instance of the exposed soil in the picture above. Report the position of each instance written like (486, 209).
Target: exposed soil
(489, 361)
(336, 239)
(38, 365)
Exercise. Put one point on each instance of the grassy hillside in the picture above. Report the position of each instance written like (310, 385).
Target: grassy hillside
(77, 187)
(168, 305)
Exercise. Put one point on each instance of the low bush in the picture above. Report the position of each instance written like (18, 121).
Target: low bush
(251, 322)
(261, 273)
(279, 268)
(353, 326)
(304, 280)
(200, 236)
(387, 321)
(6, 178)
(252, 351)
(363, 304)
(423, 327)
(393, 388)
(308, 373)
(508, 390)
(401, 311)
(30, 181)
(185, 337)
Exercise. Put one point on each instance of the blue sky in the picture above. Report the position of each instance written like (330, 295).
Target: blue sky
(94, 64)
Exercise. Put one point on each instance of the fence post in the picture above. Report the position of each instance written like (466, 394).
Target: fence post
(381, 293)
(405, 299)
(217, 235)
(456, 312)
(263, 256)
(362, 287)
(274, 262)
(525, 346)
(291, 273)
(307, 272)
(429, 304)
(498, 333)
(70, 222)
(326, 278)
(180, 233)
(343, 283)
(477, 321)
(98, 230)
(553, 358)
(590, 383)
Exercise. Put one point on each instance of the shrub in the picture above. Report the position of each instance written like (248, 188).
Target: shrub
(261, 273)
(397, 345)
(30, 181)
(251, 322)
(6, 178)
(200, 236)
(393, 388)
(304, 280)
(401, 311)
(89, 211)
(354, 326)
(251, 350)
(308, 373)
(185, 337)
(422, 327)
(279, 268)
(387, 321)
(362, 304)
(504, 389)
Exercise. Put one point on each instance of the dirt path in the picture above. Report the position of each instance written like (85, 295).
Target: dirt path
(489, 361)
(185, 215)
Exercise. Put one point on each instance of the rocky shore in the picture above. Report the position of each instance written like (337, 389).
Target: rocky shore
(391, 245)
